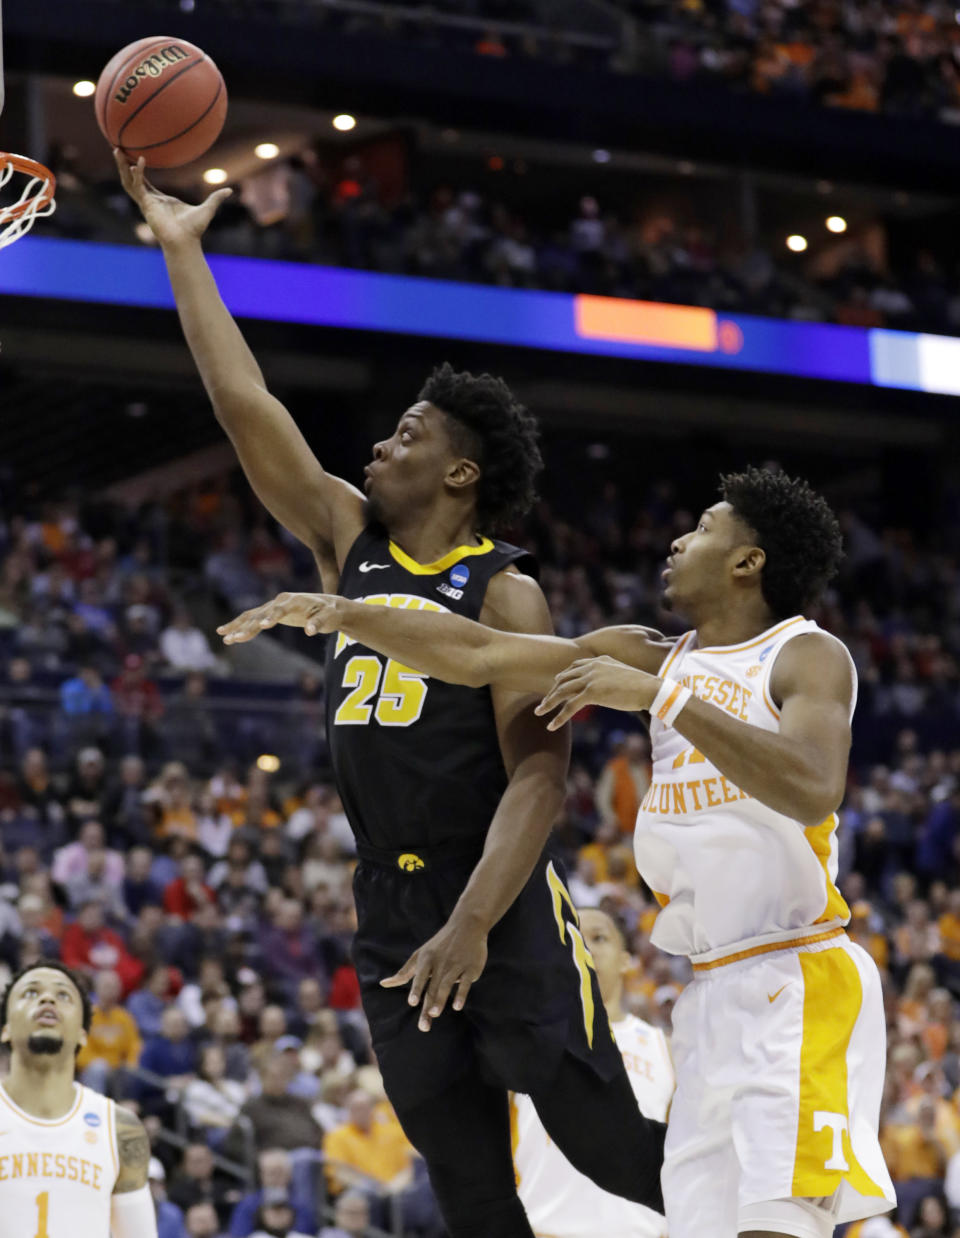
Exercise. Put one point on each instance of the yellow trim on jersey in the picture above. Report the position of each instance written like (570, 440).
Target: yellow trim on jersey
(514, 1133)
(439, 565)
(112, 1137)
(768, 948)
(662, 899)
(832, 997)
(11, 1104)
(668, 660)
(760, 640)
(818, 836)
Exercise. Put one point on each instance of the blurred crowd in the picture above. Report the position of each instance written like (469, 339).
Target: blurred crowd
(195, 862)
(894, 56)
(680, 247)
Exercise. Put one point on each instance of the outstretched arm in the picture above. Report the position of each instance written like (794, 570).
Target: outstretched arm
(800, 770)
(323, 511)
(450, 647)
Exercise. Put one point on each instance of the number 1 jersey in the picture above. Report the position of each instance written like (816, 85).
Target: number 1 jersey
(57, 1177)
(417, 761)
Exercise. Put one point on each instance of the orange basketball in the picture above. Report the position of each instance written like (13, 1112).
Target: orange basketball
(161, 98)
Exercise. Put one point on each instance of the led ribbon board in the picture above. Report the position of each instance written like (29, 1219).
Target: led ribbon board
(362, 301)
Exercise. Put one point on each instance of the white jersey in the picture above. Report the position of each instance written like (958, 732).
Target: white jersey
(561, 1202)
(57, 1177)
(745, 872)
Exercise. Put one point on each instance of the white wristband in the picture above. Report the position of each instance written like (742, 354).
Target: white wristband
(668, 702)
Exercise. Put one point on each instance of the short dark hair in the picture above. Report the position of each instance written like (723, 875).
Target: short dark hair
(79, 983)
(491, 426)
(795, 527)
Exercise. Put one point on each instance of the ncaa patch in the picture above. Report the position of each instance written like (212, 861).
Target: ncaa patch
(459, 575)
(91, 1119)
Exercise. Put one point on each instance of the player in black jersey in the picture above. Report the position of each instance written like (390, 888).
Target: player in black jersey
(451, 791)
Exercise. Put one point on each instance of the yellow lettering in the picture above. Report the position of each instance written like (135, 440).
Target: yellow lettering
(723, 692)
(647, 800)
(97, 1170)
(560, 895)
(584, 962)
(692, 788)
(61, 1165)
(679, 759)
(3, 1168)
(84, 1166)
(664, 798)
(679, 799)
(709, 686)
(744, 796)
(697, 681)
(729, 791)
(46, 1161)
(712, 802)
(732, 707)
(73, 1171)
(746, 697)
(17, 1159)
(33, 1164)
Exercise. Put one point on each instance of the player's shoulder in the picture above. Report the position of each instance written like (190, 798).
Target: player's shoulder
(812, 656)
(514, 602)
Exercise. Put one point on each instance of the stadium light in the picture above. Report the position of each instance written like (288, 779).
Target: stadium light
(344, 122)
(215, 176)
(83, 90)
(836, 223)
(796, 244)
(266, 150)
(268, 763)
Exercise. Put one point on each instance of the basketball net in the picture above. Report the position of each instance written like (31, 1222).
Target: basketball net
(36, 199)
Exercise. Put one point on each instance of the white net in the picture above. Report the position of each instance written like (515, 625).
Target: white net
(35, 200)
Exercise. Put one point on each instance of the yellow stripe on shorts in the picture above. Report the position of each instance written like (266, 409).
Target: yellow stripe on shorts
(832, 998)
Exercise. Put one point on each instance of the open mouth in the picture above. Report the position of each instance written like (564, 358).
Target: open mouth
(47, 1018)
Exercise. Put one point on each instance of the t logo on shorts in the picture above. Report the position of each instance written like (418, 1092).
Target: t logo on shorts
(838, 1124)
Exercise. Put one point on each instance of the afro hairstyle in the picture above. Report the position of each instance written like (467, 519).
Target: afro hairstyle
(487, 424)
(796, 529)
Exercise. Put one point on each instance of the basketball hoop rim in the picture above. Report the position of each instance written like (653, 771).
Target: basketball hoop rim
(36, 171)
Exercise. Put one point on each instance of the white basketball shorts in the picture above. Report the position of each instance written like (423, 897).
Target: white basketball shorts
(780, 1053)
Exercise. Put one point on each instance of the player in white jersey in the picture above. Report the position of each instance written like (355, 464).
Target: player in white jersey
(779, 1041)
(559, 1201)
(72, 1163)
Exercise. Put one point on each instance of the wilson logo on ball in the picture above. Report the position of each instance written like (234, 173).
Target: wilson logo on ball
(153, 66)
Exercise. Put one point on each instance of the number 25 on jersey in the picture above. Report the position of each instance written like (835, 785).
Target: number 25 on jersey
(393, 695)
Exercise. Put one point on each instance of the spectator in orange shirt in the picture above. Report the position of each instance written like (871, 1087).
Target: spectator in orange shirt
(113, 1041)
(369, 1149)
(624, 782)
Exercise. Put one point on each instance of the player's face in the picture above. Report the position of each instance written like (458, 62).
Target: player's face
(408, 469)
(606, 946)
(45, 1015)
(699, 570)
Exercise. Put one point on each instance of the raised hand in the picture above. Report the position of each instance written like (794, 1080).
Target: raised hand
(169, 219)
(598, 681)
(314, 612)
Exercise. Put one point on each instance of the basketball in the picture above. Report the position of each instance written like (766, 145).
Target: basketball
(161, 98)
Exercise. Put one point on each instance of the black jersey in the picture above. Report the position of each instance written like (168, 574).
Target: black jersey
(417, 761)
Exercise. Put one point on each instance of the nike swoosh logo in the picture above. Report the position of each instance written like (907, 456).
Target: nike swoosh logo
(772, 997)
(373, 567)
